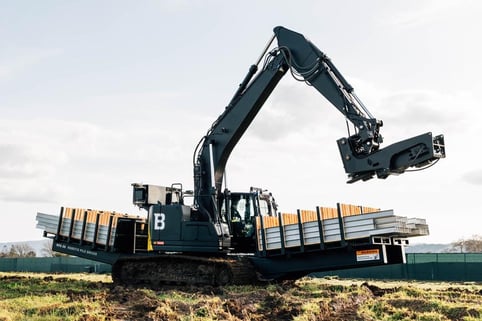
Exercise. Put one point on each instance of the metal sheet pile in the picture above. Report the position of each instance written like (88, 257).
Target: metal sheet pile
(92, 226)
(325, 225)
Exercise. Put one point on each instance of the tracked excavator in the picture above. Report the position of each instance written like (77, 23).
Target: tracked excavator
(226, 237)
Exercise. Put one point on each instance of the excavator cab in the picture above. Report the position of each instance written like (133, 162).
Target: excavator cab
(240, 211)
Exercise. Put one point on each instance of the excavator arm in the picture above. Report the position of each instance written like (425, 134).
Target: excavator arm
(360, 151)
(214, 149)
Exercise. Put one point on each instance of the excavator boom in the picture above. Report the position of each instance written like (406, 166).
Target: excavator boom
(360, 151)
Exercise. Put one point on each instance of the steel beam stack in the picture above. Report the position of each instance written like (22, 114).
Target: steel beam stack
(85, 225)
(329, 225)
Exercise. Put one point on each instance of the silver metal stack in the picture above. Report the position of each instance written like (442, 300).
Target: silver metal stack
(352, 227)
(95, 227)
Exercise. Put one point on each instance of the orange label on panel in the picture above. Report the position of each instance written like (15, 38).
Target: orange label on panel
(367, 255)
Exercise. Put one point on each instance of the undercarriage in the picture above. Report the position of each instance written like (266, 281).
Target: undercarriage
(176, 269)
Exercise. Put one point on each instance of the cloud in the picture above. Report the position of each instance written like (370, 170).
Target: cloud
(423, 13)
(296, 109)
(473, 177)
(30, 192)
(46, 160)
(20, 62)
(36, 155)
(415, 107)
(406, 113)
(30, 159)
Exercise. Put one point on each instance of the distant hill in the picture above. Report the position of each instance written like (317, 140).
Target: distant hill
(428, 248)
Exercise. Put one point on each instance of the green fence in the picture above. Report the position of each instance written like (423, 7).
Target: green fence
(460, 267)
(53, 264)
(417, 258)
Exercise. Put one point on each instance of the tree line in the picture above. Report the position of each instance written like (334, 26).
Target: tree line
(468, 245)
(26, 250)
(18, 250)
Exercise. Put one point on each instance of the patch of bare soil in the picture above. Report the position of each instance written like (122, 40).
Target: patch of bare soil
(130, 303)
(274, 302)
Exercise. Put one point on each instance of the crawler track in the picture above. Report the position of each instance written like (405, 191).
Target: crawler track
(176, 269)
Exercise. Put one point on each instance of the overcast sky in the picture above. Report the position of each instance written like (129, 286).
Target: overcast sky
(96, 95)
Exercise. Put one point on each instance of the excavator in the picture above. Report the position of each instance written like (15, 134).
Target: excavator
(226, 237)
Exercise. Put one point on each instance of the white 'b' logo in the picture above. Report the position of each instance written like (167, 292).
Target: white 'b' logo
(159, 221)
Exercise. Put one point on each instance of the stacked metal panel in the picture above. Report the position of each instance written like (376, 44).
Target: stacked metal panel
(47, 222)
(311, 231)
(96, 227)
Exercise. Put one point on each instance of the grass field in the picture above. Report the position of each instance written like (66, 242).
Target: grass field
(90, 297)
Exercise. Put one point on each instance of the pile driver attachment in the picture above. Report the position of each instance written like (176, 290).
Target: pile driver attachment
(418, 152)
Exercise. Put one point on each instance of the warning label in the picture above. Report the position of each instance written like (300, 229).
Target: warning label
(367, 255)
